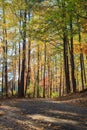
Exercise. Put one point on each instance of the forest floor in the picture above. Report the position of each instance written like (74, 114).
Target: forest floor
(44, 114)
(79, 99)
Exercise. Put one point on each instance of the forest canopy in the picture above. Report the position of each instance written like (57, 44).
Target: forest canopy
(43, 47)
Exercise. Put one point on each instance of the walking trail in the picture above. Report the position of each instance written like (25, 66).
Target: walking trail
(41, 114)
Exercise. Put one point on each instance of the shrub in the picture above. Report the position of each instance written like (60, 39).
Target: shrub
(55, 95)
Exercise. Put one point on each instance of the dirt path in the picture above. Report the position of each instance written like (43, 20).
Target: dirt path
(39, 114)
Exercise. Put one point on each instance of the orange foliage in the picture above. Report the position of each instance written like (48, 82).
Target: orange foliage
(77, 49)
(80, 49)
(84, 25)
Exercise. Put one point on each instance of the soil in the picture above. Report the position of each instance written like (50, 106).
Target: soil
(79, 99)
(42, 114)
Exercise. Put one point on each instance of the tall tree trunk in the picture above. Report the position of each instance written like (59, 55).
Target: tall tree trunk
(44, 82)
(48, 78)
(6, 72)
(51, 83)
(82, 73)
(81, 57)
(72, 57)
(29, 58)
(5, 49)
(38, 72)
(23, 80)
(60, 87)
(29, 67)
(2, 80)
(65, 49)
(19, 71)
(14, 69)
(34, 83)
(63, 79)
(66, 64)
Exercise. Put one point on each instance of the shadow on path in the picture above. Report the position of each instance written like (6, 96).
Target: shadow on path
(44, 114)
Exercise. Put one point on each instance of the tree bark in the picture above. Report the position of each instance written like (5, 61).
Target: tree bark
(72, 57)
(66, 64)
(5, 50)
(23, 80)
(44, 82)
(38, 58)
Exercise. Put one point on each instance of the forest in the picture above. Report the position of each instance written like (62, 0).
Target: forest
(43, 48)
(43, 64)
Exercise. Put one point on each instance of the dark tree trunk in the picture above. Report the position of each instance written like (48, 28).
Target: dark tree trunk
(63, 79)
(29, 67)
(72, 58)
(19, 70)
(65, 48)
(14, 69)
(48, 78)
(6, 73)
(34, 83)
(66, 64)
(29, 59)
(82, 73)
(2, 80)
(81, 55)
(51, 84)
(5, 51)
(38, 56)
(23, 80)
(60, 87)
(84, 70)
(44, 82)
(81, 61)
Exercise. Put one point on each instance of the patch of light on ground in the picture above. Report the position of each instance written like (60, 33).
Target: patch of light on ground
(52, 119)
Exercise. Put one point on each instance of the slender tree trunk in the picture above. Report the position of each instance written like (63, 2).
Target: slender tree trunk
(63, 79)
(42, 78)
(34, 83)
(23, 80)
(51, 84)
(6, 73)
(44, 89)
(29, 58)
(34, 69)
(66, 64)
(84, 70)
(65, 46)
(20, 61)
(12, 88)
(81, 60)
(29, 67)
(72, 58)
(14, 69)
(48, 78)
(2, 80)
(82, 73)
(5, 50)
(81, 55)
(19, 72)
(38, 72)
(60, 87)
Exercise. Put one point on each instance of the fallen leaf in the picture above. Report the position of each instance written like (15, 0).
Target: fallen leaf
(1, 113)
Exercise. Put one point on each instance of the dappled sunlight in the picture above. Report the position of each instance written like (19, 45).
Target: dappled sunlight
(41, 114)
(14, 117)
(29, 124)
(7, 110)
(52, 119)
(63, 112)
(10, 108)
